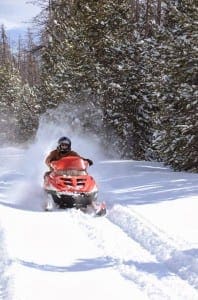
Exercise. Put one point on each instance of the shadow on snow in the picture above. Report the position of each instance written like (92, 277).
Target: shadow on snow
(84, 265)
(79, 266)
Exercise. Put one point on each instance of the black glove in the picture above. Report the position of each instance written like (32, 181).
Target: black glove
(89, 161)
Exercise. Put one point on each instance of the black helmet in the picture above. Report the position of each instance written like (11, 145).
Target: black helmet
(64, 144)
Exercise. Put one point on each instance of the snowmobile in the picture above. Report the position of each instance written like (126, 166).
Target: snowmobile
(69, 185)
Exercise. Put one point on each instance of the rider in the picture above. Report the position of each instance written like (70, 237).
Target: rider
(63, 149)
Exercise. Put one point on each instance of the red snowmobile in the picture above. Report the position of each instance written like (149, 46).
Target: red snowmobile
(69, 185)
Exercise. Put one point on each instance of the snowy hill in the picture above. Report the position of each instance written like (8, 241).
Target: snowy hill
(145, 248)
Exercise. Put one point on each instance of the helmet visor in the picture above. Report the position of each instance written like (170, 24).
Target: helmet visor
(64, 146)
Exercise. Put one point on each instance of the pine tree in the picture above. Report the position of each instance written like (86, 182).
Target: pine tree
(91, 50)
(27, 60)
(19, 108)
(5, 53)
(176, 135)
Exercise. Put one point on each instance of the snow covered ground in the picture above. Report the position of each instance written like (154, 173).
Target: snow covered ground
(145, 248)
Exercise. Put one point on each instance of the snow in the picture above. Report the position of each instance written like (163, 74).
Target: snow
(145, 248)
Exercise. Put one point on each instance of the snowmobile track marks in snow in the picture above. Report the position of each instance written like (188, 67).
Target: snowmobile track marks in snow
(135, 263)
(157, 243)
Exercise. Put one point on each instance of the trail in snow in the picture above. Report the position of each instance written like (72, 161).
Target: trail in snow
(132, 260)
(167, 251)
(129, 252)
(57, 257)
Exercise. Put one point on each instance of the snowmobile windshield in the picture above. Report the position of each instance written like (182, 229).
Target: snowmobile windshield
(69, 163)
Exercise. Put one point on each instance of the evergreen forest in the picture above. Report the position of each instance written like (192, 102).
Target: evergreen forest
(126, 69)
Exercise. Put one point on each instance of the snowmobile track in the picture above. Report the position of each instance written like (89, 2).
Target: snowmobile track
(112, 240)
(157, 243)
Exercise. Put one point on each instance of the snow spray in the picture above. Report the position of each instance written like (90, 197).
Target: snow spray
(28, 192)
